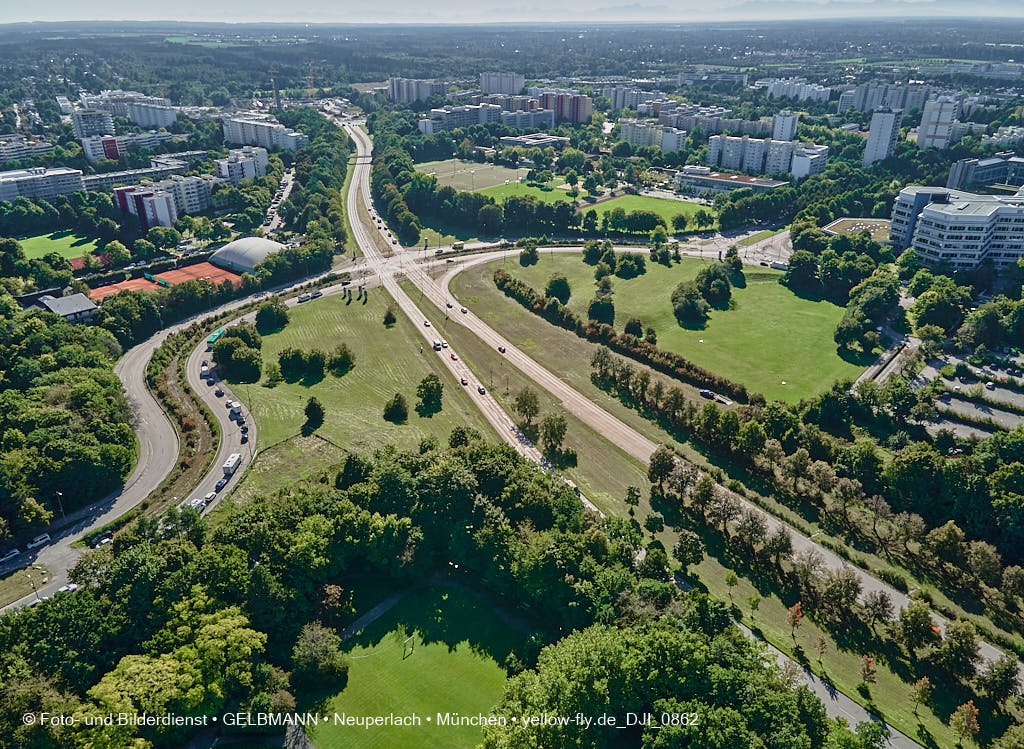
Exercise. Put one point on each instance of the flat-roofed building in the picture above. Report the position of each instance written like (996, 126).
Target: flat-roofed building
(40, 182)
(18, 147)
(699, 180)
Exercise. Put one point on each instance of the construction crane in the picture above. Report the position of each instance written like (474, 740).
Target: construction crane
(273, 84)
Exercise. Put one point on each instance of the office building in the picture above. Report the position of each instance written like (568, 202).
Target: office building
(413, 89)
(882, 135)
(64, 105)
(449, 118)
(112, 147)
(784, 125)
(959, 228)
(246, 162)
(529, 119)
(161, 203)
(1006, 168)
(936, 130)
(571, 107)
(766, 156)
(701, 180)
(535, 140)
(117, 102)
(39, 182)
(502, 83)
(152, 115)
(265, 131)
(88, 122)
(794, 88)
(18, 147)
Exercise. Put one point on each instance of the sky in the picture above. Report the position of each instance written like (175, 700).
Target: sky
(476, 11)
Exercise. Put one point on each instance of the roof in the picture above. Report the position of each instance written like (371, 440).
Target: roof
(66, 306)
(247, 252)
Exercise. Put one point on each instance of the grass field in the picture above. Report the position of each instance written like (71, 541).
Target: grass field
(769, 337)
(664, 207)
(16, 585)
(388, 361)
(65, 243)
(518, 189)
(469, 175)
(455, 667)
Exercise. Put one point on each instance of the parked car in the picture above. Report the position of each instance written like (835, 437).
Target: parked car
(219, 392)
(40, 540)
(316, 294)
(305, 297)
(245, 438)
(69, 588)
(14, 552)
(705, 393)
(210, 496)
(222, 483)
(990, 386)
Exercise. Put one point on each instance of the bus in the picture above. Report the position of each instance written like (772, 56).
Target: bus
(214, 338)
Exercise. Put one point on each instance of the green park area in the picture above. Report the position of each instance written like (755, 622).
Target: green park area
(770, 340)
(438, 650)
(549, 193)
(469, 175)
(65, 243)
(387, 361)
(664, 207)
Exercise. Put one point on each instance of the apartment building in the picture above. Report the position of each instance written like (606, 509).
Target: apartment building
(18, 147)
(265, 131)
(508, 103)
(159, 167)
(1005, 168)
(152, 115)
(640, 133)
(623, 97)
(64, 105)
(529, 119)
(39, 182)
(937, 120)
(794, 88)
(449, 117)
(571, 107)
(766, 155)
(88, 122)
(116, 102)
(693, 77)
(502, 83)
(882, 135)
(1004, 135)
(702, 180)
(99, 147)
(161, 203)
(959, 228)
(712, 120)
(242, 163)
(409, 90)
(784, 125)
(868, 97)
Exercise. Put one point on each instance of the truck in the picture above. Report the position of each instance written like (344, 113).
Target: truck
(236, 409)
(458, 245)
(231, 464)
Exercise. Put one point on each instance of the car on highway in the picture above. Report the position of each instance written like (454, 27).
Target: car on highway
(14, 552)
(222, 483)
(480, 389)
(426, 323)
(69, 588)
(210, 496)
(463, 310)
(245, 438)
(454, 356)
(448, 305)
(219, 392)
(464, 381)
(316, 294)
(304, 298)
(501, 349)
(444, 343)
(40, 540)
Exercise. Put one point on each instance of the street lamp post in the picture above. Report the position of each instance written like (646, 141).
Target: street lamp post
(60, 501)
(33, 584)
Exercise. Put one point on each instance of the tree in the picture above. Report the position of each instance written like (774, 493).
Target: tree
(117, 253)
(704, 493)
(688, 305)
(914, 626)
(660, 466)
(632, 498)
(921, 693)
(314, 412)
(558, 287)
(731, 581)
(877, 607)
(342, 360)
(317, 656)
(552, 431)
(821, 645)
(959, 649)
(689, 549)
(527, 404)
(633, 327)
(654, 523)
(389, 317)
(396, 409)
(754, 601)
(752, 528)
(773, 453)
(658, 236)
(794, 614)
(679, 222)
(867, 669)
(964, 721)
(429, 391)
(271, 316)
(795, 466)
(1000, 679)
(779, 544)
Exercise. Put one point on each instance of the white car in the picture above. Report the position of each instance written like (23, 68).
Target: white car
(38, 541)
(426, 323)
(444, 343)
(210, 496)
(10, 555)
(69, 588)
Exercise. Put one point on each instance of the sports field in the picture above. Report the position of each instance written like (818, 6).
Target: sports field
(199, 271)
(469, 175)
(387, 361)
(65, 243)
(771, 340)
(664, 207)
(438, 650)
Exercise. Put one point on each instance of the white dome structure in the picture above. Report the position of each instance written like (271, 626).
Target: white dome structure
(244, 254)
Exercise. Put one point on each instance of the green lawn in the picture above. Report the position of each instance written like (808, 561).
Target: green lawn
(518, 189)
(759, 236)
(455, 666)
(388, 361)
(17, 585)
(664, 207)
(65, 243)
(469, 175)
(770, 336)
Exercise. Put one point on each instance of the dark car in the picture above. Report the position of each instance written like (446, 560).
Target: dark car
(222, 483)
(501, 349)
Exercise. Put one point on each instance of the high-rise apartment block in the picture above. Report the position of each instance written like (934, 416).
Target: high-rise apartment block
(784, 125)
(883, 134)
(867, 97)
(99, 147)
(711, 120)
(152, 115)
(262, 130)
(626, 97)
(64, 105)
(766, 156)
(18, 147)
(39, 182)
(502, 83)
(529, 119)
(572, 107)
(794, 88)
(640, 133)
(88, 122)
(116, 102)
(413, 89)
(937, 120)
(246, 162)
(161, 203)
(449, 118)
(959, 228)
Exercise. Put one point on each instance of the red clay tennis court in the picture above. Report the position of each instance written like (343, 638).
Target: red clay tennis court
(203, 271)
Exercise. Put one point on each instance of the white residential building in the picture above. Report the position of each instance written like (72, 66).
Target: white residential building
(450, 118)
(413, 89)
(88, 122)
(97, 147)
(794, 88)
(936, 130)
(626, 97)
(161, 203)
(868, 97)
(784, 125)
(766, 156)
(64, 105)
(640, 133)
(152, 115)
(18, 147)
(883, 134)
(39, 182)
(116, 101)
(254, 130)
(246, 162)
(1004, 135)
(959, 228)
(502, 83)
(528, 119)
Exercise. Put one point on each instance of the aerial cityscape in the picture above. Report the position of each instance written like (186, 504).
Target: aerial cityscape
(499, 378)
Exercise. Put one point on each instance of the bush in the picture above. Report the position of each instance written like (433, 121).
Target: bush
(396, 410)
(894, 578)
